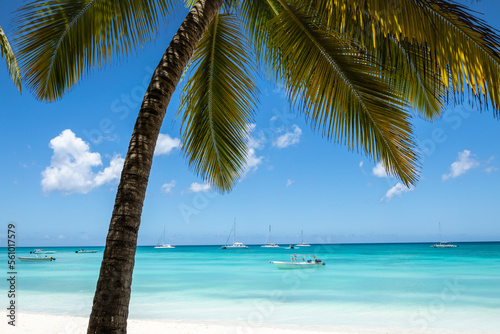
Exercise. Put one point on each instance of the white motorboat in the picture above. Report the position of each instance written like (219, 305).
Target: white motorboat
(162, 241)
(36, 258)
(299, 262)
(85, 251)
(270, 244)
(302, 244)
(41, 251)
(443, 244)
(235, 245)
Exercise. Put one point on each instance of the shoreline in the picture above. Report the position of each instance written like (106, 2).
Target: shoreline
(40, 323)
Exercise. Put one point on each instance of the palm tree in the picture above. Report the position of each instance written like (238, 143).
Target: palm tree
(6, 50)
(356, 69)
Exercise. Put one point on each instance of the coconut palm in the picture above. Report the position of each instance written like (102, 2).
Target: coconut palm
(356, 69)
(6, 50)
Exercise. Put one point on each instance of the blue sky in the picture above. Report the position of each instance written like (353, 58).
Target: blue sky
(61, 161)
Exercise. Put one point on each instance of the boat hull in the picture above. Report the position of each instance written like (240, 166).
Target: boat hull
(165, 246)
(35, 259)
(297, 265)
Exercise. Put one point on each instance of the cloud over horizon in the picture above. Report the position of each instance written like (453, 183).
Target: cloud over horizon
(166, 144)
(288, 138)
(168, 187)
(461, 166)
(196, 187)
(397, 190)
(253, 161)
(70, 169)
(379, 170)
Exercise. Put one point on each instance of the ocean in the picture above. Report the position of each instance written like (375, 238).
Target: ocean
(372, 285)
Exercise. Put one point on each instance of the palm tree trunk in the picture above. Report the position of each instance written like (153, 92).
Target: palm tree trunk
(112, 296)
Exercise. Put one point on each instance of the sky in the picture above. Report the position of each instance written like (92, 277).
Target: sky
(61, 163)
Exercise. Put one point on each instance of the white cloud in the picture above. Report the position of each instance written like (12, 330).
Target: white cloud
(167, 187)
(111, 173)
(253, 161)
(70, 169)
(379, 170)
(199, 187)
(462, 165)
(398, 189)
(490, 169)
(289, 138)
(166, 144)
(360, 164)
(289, 182)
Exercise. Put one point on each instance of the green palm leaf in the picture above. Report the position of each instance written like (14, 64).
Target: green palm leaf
(462, 49)
(6, 51)
(344, 92)
(60, 41)
(217, 103)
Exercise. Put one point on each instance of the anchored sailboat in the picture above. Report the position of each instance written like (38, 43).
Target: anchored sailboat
(443, 244)
(302, 244)
(235, 245)
(270, 244)
(162, 241)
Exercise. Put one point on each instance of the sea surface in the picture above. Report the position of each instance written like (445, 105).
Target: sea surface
(372, 285)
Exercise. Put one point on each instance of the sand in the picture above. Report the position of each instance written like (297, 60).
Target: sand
(36, 323)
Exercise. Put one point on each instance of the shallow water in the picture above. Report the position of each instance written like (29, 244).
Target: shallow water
(397, 285)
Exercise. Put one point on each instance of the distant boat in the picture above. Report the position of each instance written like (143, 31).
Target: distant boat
(162, 241)
(36, 258)
(302, 244)
(299, 261)
(235, 245)
(443, 244)
(270, 244)
(41, 251)
(85, 251)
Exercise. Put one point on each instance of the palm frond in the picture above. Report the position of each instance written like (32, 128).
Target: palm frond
(463, 48)
(255, 16)
(60, 41)
(342, 91)
(6, 51)
(217, 103)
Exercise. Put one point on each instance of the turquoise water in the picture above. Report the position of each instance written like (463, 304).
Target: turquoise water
(400, 285)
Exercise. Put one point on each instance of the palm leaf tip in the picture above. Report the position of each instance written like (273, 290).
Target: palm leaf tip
(343, 91)
(12, 67)
(217, 103)
(60, 41)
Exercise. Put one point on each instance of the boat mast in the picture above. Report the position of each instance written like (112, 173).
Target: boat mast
(440, 237)
(234, 230)
(269, 234)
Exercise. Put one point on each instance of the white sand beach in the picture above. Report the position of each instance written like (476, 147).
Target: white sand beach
(31, 323)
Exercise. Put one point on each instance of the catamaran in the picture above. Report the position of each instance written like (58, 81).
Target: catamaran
(443, 244)
(162, 241)
(302, 244)
(299, 261)
(235, 245)
(270, 244)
